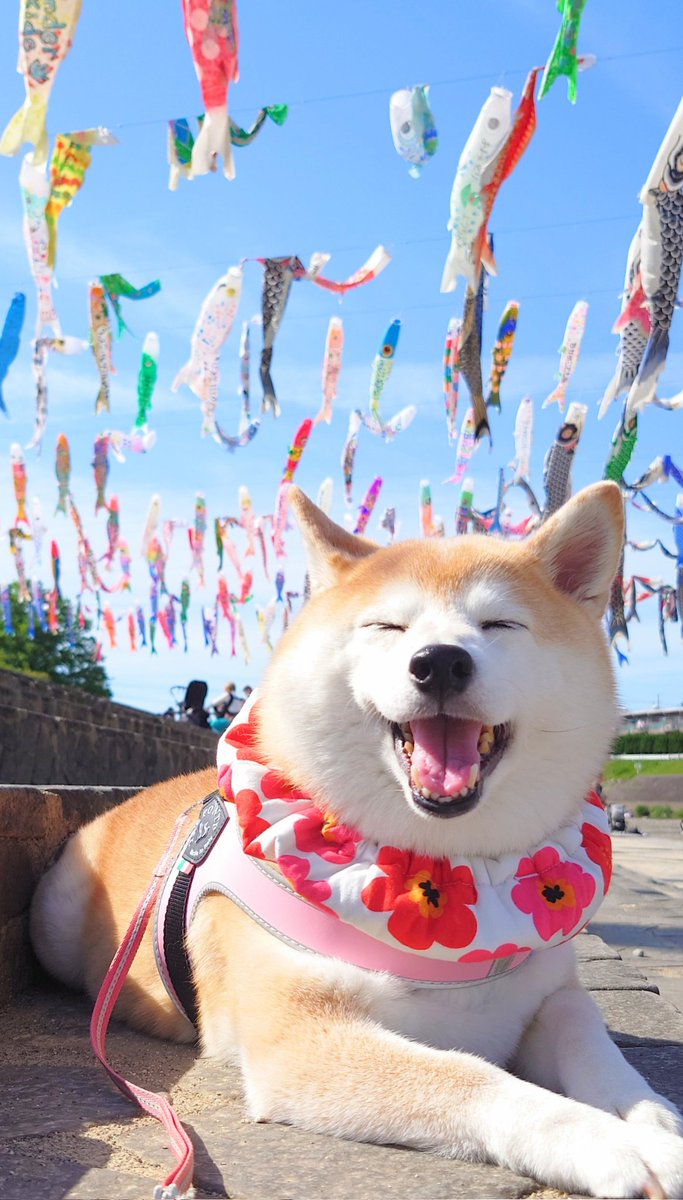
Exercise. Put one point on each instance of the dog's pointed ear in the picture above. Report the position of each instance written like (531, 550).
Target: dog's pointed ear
(330, 550)
(580, 545)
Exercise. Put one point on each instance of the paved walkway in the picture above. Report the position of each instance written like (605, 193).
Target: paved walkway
(642, 916)
(67, 1134)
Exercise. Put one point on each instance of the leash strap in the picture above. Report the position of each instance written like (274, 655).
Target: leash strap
(179, 1181)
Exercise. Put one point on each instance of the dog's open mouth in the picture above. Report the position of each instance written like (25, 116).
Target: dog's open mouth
(447, 759)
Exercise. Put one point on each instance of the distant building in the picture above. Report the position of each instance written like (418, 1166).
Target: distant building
(653, 720)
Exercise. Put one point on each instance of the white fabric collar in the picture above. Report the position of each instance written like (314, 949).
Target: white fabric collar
(467, 911)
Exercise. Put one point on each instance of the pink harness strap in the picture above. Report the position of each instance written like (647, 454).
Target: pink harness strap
(300, 924)
(180, 1180)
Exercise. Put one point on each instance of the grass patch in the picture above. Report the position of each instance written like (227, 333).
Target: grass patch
(620, 769)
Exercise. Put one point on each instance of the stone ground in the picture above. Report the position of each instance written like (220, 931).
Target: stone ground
(67, 1134)
(642, 916)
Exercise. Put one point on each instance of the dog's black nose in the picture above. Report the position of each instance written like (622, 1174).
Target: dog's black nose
(441, 669)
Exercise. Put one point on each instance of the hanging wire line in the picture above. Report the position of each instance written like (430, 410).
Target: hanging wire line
(452, 82)
(510, 229)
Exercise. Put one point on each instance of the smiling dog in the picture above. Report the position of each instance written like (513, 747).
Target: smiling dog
(404, 843)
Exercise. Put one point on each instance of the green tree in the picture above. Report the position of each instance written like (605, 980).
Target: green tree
(67, 656)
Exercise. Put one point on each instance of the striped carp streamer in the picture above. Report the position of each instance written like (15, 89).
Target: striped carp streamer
(560, 457)
(296, 450)
(332, 361)
(466, 444)
(181, 140)
(63, 472)
(35, 193)
(524, 428)
(202, 371)
(213, 36)
(488, 135)
(381, 370)
(451, 376)
(42, 347)
(101, 343)
(147, 377)
(463, 514)
(661, 258)
(197, 537)
(569, 353)
(46, 33)
(71, 158)
(500, 355)
(349, 453)
(633, 325)
(116, 287)
(19, 482)
(10, 339)
(366, 508)
(426, 510)
(100, 466)
(470, 353)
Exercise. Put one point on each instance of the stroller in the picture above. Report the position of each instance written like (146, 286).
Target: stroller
(192, 704)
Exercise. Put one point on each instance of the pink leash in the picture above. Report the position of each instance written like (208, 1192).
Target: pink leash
(178, 1183)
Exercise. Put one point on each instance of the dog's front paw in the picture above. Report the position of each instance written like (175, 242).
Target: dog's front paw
(656, 1113)
(630, 1160)
(662, 1152)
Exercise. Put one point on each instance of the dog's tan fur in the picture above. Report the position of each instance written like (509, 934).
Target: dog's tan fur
(339, 1050)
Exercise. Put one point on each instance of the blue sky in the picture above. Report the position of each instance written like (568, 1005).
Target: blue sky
(330, 180)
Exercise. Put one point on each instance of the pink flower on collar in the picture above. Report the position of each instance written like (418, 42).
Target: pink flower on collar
(507, 950)
(554, 892)
(315, 833)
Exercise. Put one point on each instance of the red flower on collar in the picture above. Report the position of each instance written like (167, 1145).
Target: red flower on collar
(296, 871)
(598, 847)
(252, 824)
(245, 738)
(275, 787)
(315, 833)
(428, 899)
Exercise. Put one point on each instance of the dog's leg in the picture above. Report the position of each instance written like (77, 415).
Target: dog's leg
(568, 1049)
(312, 1056)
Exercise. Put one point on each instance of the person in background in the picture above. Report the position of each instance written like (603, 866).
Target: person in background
(224, 708)
(247, 692)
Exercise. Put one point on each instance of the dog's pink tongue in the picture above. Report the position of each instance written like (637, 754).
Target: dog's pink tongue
(445, 750)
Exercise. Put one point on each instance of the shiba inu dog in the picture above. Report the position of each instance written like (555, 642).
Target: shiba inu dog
(410, 843)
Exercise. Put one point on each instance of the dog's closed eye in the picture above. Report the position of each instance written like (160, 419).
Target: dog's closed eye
(385, 626)
(502, 625)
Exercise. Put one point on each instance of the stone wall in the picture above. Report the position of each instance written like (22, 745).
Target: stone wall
(52, 734)
(33, 824)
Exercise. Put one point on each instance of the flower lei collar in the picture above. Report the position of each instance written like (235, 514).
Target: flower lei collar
(457, 910)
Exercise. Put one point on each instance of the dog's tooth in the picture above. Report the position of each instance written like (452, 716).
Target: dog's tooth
(474, 775)
(408, 747)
